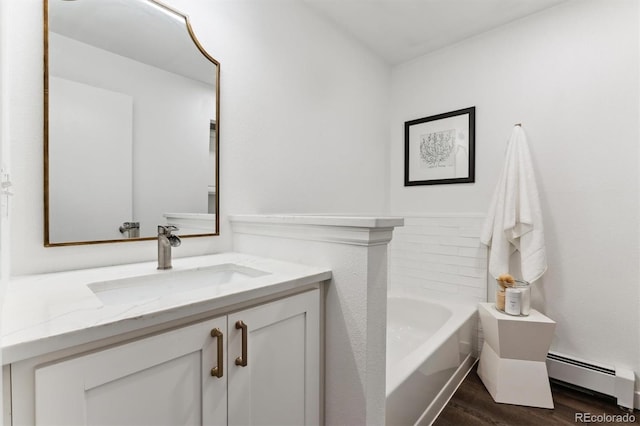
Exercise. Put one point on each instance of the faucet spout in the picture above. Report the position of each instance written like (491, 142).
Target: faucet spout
(166, 240)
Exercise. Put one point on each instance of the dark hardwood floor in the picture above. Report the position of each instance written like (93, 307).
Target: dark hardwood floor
(473, 406)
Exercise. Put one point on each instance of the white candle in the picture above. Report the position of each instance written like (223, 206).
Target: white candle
(513, 299)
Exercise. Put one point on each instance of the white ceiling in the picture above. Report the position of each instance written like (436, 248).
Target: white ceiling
(401, 30)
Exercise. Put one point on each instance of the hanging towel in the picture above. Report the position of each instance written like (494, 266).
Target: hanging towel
(514, 221)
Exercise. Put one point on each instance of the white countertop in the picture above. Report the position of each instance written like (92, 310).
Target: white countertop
(48, 312)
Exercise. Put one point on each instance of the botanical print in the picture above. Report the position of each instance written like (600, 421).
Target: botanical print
(440, 149)
(437, 149)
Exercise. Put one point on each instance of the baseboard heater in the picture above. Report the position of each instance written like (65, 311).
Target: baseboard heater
(616, 382)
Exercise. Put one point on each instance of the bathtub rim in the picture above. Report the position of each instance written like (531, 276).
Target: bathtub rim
(462, 311)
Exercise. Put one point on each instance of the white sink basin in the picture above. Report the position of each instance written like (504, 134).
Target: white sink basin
(174, 281)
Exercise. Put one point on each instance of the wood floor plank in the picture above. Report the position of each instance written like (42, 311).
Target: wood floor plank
(472, 405)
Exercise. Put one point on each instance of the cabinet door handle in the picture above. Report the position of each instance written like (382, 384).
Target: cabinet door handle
(218, 371)
(242, 360)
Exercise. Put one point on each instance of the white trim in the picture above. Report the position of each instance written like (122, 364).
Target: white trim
(445, 214)
(323, 220)
(351, 230)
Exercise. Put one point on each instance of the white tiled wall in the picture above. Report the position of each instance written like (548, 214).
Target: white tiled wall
(440, 256)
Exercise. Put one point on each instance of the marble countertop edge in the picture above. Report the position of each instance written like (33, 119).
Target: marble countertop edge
(51, 312)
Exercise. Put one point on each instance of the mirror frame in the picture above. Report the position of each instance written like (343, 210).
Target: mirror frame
(47, 242)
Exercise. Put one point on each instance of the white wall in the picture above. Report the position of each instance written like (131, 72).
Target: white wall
(306, 106)
(298, 114)
(4, 144)
(5, 125)
(571, 76)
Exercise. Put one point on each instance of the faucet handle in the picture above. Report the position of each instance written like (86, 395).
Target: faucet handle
(174, 240)
(167, 229)
(126, 226)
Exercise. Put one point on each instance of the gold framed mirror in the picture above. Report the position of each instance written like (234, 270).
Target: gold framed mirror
(131, 123)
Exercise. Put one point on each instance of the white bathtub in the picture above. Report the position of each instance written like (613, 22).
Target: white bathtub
(430, 348)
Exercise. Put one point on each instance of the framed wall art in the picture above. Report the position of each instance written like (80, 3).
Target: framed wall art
(440, 149)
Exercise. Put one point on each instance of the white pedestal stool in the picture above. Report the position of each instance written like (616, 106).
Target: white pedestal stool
(513, 361)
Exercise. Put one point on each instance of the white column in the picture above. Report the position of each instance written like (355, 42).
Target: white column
(355, 248)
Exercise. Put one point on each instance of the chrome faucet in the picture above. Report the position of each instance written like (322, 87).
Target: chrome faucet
(166, 240)
(130, 229)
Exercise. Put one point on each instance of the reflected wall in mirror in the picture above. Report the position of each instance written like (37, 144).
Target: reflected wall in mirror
(131, 123)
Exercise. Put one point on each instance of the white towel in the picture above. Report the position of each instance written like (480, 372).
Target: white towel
(514, 221)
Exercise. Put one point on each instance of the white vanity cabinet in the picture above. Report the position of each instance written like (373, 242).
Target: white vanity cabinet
(159, 380)
(268, 357)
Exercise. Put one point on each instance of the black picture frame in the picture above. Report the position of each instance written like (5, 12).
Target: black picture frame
(440, 149)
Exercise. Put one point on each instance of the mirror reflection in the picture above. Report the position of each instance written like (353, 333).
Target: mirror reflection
(131, 123)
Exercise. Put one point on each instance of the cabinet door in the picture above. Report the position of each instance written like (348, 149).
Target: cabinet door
(160, 380)
(280, 384)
